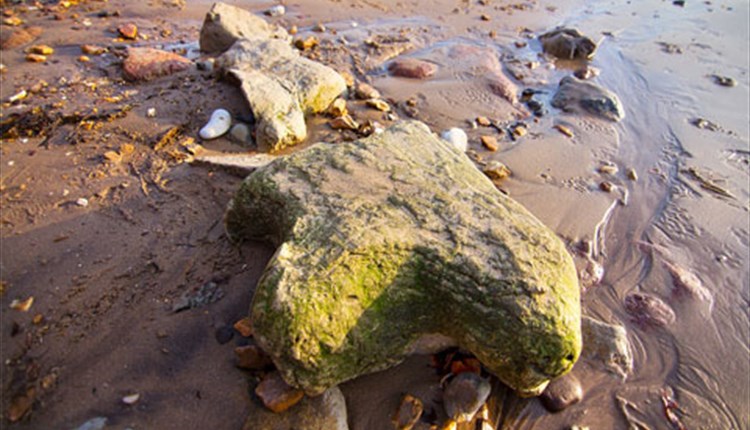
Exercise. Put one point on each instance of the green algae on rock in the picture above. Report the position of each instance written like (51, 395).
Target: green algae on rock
(388, 239)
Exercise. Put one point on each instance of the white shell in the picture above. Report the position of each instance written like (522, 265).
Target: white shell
(218, 125)
(457, 138)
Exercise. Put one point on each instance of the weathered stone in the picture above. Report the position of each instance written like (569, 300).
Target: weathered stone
(464, 395)
(93, 49)
(607, 344)
(378, 104)
(344, 122)
(412, 68)
(324, 412)
(276, 394)
(384, 240)
(10, 39)
(496, 170)
(144, 64)
(649, 310)
(279, 118)
(561, 393)
(281, 87)
(225, 24)
(489, 142)
(574, 95)
(366, 91)
(128, 31)
(408, 413)
(568, 44)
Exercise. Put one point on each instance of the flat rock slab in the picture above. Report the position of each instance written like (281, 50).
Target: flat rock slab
(384, 240)
(575, 95)
(143, 64)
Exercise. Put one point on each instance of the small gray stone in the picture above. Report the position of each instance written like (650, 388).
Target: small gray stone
(568, 44)
(562, 393)
(241, 133)
(607, 344)
(574, 95)
(464, 395)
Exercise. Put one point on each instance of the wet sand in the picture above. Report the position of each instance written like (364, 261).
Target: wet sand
(104, 277)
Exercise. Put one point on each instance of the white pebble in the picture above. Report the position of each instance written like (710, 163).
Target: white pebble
(457, 138)
(11, 163)
(217, 126)
(82, 202)
(131, 399)
(151, 113)
(275, 11)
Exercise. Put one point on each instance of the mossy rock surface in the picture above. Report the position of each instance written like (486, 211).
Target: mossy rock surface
(393, 237)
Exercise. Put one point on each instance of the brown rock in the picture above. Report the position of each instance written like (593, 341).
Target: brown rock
(83, 59)
(36, 58)
(10, 39)
(408, 413)
(631, 174)
(562, 393)
(489, 142)
(21, 405)
(13, 21)
(366, 91)
(485, 17)
(244, 327)
(564, 130)
(606, 186)
(484, 121)
(649, 310)
(252, 357)
(276, 395)
(307, 43)
(412, 68)
(93, 50)
(41, 50)
(148, 63)
(497, 170)
(128, 31)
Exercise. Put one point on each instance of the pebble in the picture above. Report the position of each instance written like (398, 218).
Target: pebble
(724, 81)
(13, 21)
(484, 121)
(564, 130)
(344, 122)
(128, 31)
(206, 65)
(465, 395)
(98, 423)
(366, 91)
(83, 59)
(518, 131)
(151, 113)
(131, 399)
(22, 305)
(379, 104)
(307, 43)
(217, 126)
(456, 137)
(36, 58)
(276, 11)
(224, 334)
(244, 327)
(608, 169)
(276, 395)
(93, 50)
(485, 17)
(489, 142)
(631, 174)
(82, 202)
(319, 28)
(408, 413)
(606, 186)
(241, 133)
(42, 50)
(496, 170)
(648, 309)
(587, 72)
(561, 393)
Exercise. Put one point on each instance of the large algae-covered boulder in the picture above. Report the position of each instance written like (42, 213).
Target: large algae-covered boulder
(388, 239)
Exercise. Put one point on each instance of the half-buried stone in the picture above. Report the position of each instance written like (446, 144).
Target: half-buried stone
(574, 95)
(388, 239)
